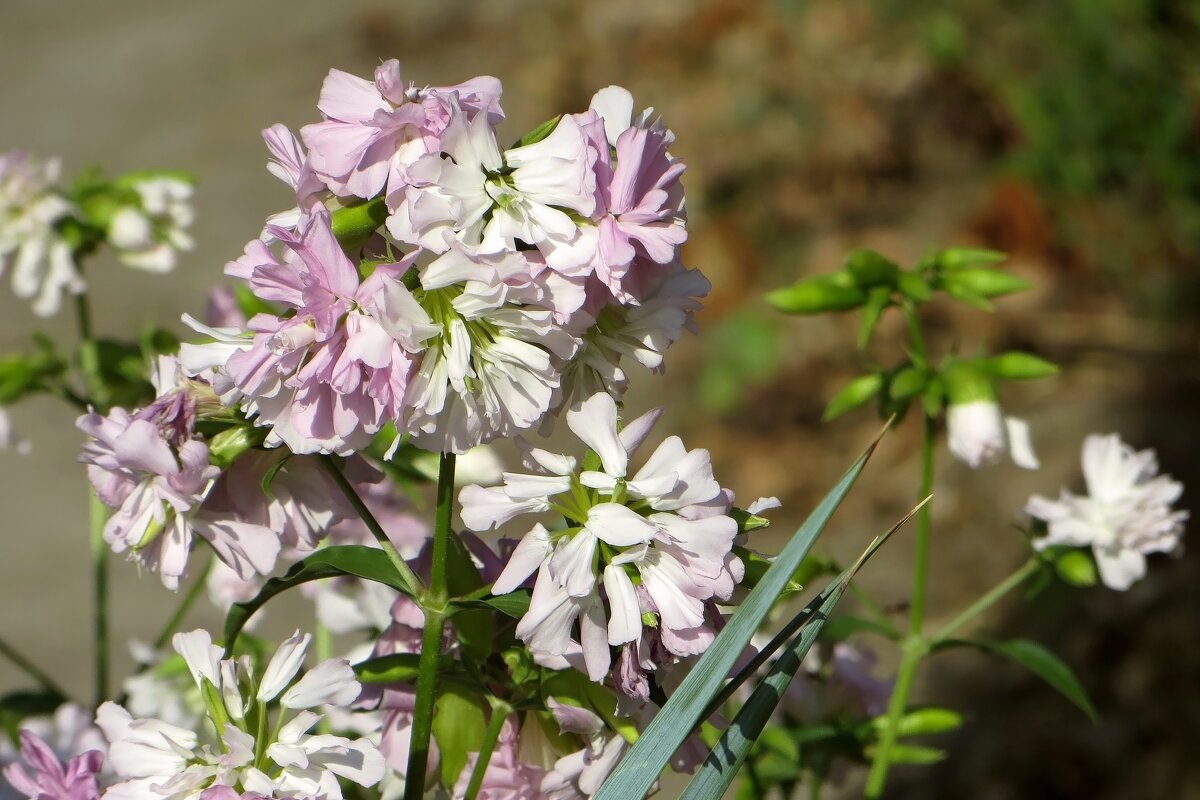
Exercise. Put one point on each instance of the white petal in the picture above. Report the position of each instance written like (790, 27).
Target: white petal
(283, 666)
(332, 681)
(201, 655)
(1119, 570)
(533, 549)
(1020, 443)
(618, 525)
(625, 613)
(573, 563)
(594, 421)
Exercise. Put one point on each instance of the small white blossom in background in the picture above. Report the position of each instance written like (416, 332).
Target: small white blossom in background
(1125, 514)
(980, 435)
(43, 267)
(148, 236)
(10, 439)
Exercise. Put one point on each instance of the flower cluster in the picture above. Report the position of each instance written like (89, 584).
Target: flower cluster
(150, 228)
(658, 542)
(1125, 515)
(155, 759)
(155, 470)
(524, 274)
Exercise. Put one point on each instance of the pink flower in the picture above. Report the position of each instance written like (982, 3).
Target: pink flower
(44, 777)
(328, 375)
(374, 130)
(506, 776)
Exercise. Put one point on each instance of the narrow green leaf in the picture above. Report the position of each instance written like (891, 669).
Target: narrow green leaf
(1041, 662)
(513, 604)
(908, 383)
(723, 762)
(1018, 366)
(923, 721)
(368, 563)
(870, 269)
(540, 132)
(639, 769)
(914, 286)
(877, 302)
(963, 257)
(836, 292)
(395, 668)
(853, 395)
(986, 282)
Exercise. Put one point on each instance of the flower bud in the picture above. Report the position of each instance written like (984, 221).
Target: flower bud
(976, 432)
(836, 292)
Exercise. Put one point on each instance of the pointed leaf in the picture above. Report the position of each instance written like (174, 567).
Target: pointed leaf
(360, 561)
(639, 769)
(1041, 662)
(853, 395)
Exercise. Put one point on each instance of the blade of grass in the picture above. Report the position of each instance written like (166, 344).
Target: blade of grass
(723, 762)
(639, 769)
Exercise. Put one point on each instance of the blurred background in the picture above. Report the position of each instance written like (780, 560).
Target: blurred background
(1065, 132)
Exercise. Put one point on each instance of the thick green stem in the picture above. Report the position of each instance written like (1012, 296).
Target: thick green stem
(29, 668)
(916, 615)
(185, 605)
(433, 603)
(1026, 570)
(915, 647)
(98, 515)
(500, 712)
(410, 579)
(910, 659)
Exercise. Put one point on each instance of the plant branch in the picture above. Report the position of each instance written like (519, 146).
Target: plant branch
(29, 668)
(500, 712)
(1023, 573)
(185, 605)
(97, 516)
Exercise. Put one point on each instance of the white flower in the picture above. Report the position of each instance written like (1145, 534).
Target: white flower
(30, 209)
(10, 439)
(148, 235)
(980, 434)
(474, 194)
(667, 526)
(157, 760)
(1125, 515)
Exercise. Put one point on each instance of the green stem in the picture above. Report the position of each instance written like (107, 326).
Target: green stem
(30, 669)
(915, 647)
(910, 659)
(916, 615)
(981, 605)
(185, 605)
(98, 515)
(410, 579)
(500, 712)
(434, 605)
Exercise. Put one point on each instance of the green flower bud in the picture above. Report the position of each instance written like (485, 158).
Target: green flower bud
(353, 225)
(983, 282)
(871, 269)
(226, 446)
(836, 292)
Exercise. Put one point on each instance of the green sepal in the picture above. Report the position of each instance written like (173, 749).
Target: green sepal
(539, 133)
(869, 269)
(1019, 366)
(968, 382)
(912, 754)
(353, 225)
(1076, 567)
(747, 522)
(214, 704)
(854, 394)
(878, 300)
(226, 446)
(836, 292)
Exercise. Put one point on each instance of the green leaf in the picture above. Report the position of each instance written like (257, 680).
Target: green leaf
(16, 706)
(354, 224)
(914, 754)
(395, 668)
(985, 282)
(908, 383)
(514, 604)
(458, 727)
(869, 269)
(360, 561)
(1041, 662)
(965, 295)
(933, 397)
(780, 742)
(877, 302)
(817, 295)
(853, 395)
(540, 132)
(723, 762)
(1018, 366)
(683, 711)
(955, 258)
(748, 522)
(914, 286)
(474, 626)
(923, 722)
